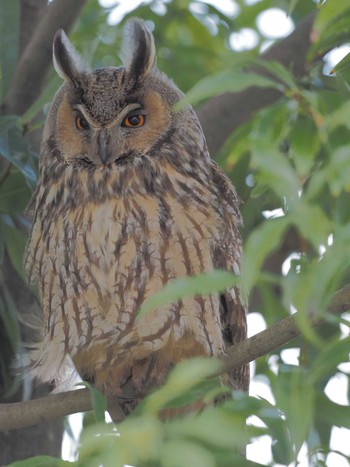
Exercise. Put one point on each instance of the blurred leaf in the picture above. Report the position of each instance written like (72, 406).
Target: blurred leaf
(292, 6)
(15, 242)
(96, 442)
(15, 148)
(337, 117)
(183, 453)
(259, 245)
(325, 363)
(185, 376)
(214, 427)
(336, 414)
(330, 27)
(282, 449)
(98, 401)
(343, 65)
(227, 81)
(316, 227)
(343, 83)
(329, 13)
(40, 461)
(6, 122)
(102, 444)
(280, 72)
(14, 193)
(295, 397)
(178, 289)
(305, 144)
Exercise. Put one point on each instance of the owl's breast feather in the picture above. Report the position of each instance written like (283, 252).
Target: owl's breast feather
(99, 262)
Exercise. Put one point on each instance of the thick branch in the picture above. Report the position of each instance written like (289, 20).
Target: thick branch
(221, 115)
(31, 12)
(36, 58)
(279, 334)
(28, 413)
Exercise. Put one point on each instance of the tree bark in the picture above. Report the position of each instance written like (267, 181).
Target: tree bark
(31, 11)
(36, 58)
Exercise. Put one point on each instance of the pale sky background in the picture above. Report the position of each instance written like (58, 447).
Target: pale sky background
(273, 24)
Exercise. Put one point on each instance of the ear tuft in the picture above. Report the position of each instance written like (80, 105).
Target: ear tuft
(67, 62)
(138, 52)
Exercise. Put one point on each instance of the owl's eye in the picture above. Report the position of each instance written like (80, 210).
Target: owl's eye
(134, 121)
(81, 123)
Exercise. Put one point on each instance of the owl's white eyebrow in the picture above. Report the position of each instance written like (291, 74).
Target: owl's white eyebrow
(80, 108)
(130, 108)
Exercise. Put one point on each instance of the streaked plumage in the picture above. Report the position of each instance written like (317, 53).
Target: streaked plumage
(118, 212)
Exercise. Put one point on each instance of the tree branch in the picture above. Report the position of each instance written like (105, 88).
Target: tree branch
(233, 109)
(31, 11)
(21, 414)
(36, 59)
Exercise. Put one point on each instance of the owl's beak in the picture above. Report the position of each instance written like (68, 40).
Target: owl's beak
(103, 147)
(104, 155)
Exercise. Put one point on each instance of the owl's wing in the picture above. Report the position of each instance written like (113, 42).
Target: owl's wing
(227, 255)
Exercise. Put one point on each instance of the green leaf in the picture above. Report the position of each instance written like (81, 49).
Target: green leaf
(333, 353)
(185, 376)
(305, 144)
(330, 412)
(331, 28)
(292, 5)
(184, 453)
(227, 81)
(259, 245)
(98, 401)
(216, 428)
(338, 117)
(343, 65)
(41, 461)
(280, 72)
(282, 448)
(7, 122)
(178, 289)
(15, 147)
(14, 193)
(102, 444)
(96, 442)
(295, 397)
(148, 431)
(316, 227)
(329, 12)
(15, 242)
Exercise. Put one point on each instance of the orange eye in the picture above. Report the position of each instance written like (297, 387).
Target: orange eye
(134, 121)
(81, 123)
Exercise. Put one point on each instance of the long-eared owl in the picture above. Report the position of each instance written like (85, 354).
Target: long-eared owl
(128, 199)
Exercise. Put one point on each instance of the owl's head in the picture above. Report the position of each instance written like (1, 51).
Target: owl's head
(109, 116)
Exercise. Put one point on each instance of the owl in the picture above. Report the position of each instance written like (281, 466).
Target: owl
(127, 200)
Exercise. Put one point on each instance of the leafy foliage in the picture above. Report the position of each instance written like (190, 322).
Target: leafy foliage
(290, 164)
